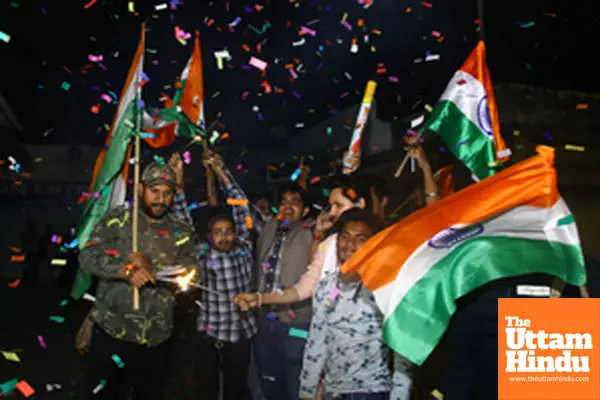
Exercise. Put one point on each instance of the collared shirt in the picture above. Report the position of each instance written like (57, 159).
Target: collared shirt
(271, 270)
(346, 345)
(164, 243)
(227, 273)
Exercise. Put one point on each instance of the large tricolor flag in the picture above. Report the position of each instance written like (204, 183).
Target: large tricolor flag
(514, 223)
(184, 115)
(466, 117)
(112, 166)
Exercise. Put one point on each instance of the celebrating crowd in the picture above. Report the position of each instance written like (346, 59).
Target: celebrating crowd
(271, 296)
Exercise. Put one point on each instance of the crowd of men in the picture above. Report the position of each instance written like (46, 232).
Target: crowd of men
(272, 301)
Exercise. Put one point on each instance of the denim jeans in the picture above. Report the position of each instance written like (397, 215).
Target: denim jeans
(279, 359)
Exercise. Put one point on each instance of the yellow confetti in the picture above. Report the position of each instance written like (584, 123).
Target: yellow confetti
(58, 261)
(131, 7)
(118, 221)
(9, 355)
(182, 241)
(516, 133)
(428, 108)
(574, 148)
(437, 394)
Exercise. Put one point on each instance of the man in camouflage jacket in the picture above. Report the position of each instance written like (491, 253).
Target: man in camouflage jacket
(129, 348)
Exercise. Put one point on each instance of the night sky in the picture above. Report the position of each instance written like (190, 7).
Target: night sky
(544, 43)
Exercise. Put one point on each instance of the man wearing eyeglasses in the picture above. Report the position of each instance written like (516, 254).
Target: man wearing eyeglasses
(282, 255)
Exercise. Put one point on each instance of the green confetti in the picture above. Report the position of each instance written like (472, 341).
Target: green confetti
(275, 210)
(299, 333)
(528, 25)
(8, 386)
(66, 86)
(329, 131)
(14, 4)
(159, 160)
(118, 361)
(64, 303)
(54, 318)
(151, 51)
(326, 192)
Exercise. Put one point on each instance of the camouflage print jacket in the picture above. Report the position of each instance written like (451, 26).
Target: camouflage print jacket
(165, 243)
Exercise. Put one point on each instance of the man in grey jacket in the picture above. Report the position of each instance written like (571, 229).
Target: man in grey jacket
(282, 256)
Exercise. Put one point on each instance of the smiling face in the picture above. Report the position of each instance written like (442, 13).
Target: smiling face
(292, 207)
(223, 234)
(352, 236)
(156, 200)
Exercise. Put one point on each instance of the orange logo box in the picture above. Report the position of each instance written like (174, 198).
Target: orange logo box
(549, 349)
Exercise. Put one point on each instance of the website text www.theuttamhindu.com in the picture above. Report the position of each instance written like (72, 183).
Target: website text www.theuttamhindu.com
(549, 379)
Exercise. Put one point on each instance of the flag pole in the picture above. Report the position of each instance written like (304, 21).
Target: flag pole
(480, 17)
(136, 187)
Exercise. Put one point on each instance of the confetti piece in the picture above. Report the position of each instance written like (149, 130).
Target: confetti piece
(89, 297)
(435, 34)
(64, 303)
(17, 258)
(10, 356)
(255, 62)
(432, 57)
(333, 294)
(41, 341)
(58, 261)
(307, 31)
(504, 153)
(271, 316)
(91, 3)
(581, 106)
(118, 361)
(516, 133)
(58, 319)
(182, 241)
(25, 389)
(428, 108)
(8, 386)
(528, 25)
(299, 42)
(66, 86)
(426, 4)
(14, 284)
(548, 136)
(315, 180)
(111, 252)
(160, 7)
(291, 314)
(574, 147)
(437, 394)
(4, 37)
(299, 333)
(237, 202)
(417, 121)
(100, 386)
(351, 193)
(249, 222)
(295, 175)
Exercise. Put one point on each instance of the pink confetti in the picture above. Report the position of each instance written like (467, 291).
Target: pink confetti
(94, 58)
(260, 64)
(393, 79)
(307, 31)
(106, 98)
(347, 25)
(435, 33)
(333, 294)
(40, 339)
(293, 73)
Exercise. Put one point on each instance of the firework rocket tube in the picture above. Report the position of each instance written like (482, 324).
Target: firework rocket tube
(361, 121)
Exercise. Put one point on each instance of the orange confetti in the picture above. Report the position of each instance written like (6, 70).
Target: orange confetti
(15, 249)
(246, 48)
(249, 222)
(237, 202)
(225, 136)
(272, 168)
(582, 106)
(351, 193)
(376, 31)
(24, 388)
(259, 47)
(91, 3)
(360, 23)
(288, 66)
(408, 10)
(426, 4)
(17, 258)
(296, 60)
(25, 174)
(14, 284)
(219, 29)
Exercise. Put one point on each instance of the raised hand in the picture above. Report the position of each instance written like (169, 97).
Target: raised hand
(176, 164)
(416, 152)
(353, 161)
(246, 301)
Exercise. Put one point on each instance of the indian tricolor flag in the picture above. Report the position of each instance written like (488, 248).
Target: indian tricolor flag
(514, 223)
(466, 117)
(112, 165)
(184, 115)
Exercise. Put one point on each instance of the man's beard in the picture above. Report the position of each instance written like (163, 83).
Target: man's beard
(147, 209)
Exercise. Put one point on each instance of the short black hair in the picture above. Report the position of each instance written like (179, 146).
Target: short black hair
(353, 188)
(358, 214)
(219, 214)
(295, 188)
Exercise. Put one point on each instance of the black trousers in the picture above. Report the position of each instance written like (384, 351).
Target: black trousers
(145, 369)
(231, 360)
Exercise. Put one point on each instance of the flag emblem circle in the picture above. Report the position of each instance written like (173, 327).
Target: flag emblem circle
(452, 236)
(483, 116)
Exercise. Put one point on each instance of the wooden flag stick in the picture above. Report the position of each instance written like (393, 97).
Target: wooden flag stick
(136, 207)
(210, 181)
(402, 165)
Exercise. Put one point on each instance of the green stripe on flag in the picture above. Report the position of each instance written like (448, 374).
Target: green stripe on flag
(104, 185)
(464, 138)
(417, 324)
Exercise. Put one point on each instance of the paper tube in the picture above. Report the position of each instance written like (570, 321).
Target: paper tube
(361, 121)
